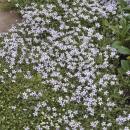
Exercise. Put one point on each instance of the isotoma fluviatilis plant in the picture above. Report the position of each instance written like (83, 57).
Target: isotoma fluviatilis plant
(61, 43)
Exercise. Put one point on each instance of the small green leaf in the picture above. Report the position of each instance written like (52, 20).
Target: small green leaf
(128, 27)
(116, 44)
(127, 39)
(123, 50)
(128, 17)
(122, 3)
(127, 9)
(125, 64)
(105, 22)
(123, 22)
(125, 30)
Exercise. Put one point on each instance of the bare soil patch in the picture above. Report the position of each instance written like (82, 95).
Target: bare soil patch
(7, 19)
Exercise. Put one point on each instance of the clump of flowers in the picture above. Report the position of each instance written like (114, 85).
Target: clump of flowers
(63, 43)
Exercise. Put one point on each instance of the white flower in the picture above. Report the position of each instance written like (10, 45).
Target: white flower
(26, 128)
(126, 128)
(128, 73)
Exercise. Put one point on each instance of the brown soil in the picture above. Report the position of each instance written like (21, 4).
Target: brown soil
(7, 19)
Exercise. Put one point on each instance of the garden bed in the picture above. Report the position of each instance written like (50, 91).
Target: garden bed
(66, 67)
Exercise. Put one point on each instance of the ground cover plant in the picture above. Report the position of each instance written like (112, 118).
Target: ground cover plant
(58, 70)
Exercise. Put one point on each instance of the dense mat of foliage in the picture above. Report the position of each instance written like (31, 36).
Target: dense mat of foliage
(58, 70)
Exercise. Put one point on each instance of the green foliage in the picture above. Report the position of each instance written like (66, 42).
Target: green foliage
(122, 3)
(16, 119)
(121, 49)
(125, 64)
(122, 36)
(124, 50)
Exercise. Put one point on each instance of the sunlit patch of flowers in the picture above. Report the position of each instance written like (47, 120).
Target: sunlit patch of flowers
(61, 42)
